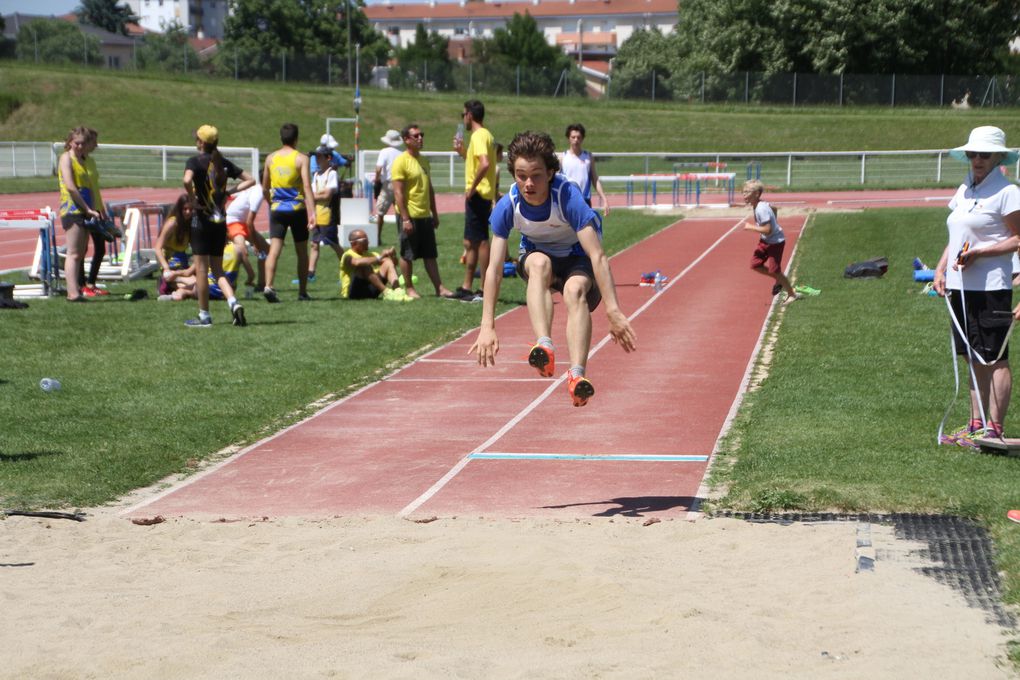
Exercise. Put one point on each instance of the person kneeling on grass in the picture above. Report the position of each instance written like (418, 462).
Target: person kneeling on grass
(768, 255)
(561, 250)
(367, 275)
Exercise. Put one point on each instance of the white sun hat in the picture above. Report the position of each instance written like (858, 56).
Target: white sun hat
(392, 138)
(986, 139)
(328, 140)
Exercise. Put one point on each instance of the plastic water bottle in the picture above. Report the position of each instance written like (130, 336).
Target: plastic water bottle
(459, 136)
(49, 384)
(660, 281)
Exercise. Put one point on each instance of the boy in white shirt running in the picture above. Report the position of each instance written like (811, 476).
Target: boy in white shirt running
(768, 255)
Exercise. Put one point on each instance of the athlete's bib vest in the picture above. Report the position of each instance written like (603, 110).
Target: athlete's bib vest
(285, 183)
(83, 180)
(553, 235)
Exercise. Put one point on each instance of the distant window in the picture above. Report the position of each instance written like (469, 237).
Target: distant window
(113, 62)
(460, 31)
(393, 30)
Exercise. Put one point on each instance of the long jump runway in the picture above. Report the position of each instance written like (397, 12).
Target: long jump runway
(445, 437)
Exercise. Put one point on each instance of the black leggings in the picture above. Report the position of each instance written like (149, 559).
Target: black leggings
(98, 253)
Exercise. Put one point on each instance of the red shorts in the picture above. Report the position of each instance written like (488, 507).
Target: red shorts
(237, 228)
(768, 255)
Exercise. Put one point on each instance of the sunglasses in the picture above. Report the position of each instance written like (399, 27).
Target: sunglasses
(359, 240)
(984, 155)
(420, 135)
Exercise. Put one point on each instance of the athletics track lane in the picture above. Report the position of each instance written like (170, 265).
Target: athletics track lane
(443, 436)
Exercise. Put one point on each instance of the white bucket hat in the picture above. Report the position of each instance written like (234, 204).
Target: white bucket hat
(392, 138)
(986, 139)
(328, 140)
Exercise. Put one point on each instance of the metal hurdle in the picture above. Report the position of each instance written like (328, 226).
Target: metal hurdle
(45, 265)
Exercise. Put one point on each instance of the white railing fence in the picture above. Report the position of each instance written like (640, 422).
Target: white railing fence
(119, 161)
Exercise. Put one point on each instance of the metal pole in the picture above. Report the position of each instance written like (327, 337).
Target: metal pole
(942, 92)
(863, 161)
(841, 89)
(893, 102)
(357, 104)
(789, 170)
(795, 89)
(347, 13)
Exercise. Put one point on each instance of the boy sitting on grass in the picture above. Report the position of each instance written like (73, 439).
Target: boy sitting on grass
(768, 255)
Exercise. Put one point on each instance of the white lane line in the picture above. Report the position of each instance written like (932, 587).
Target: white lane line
(455, 380)
(628, 457)
(906, 199)
(462, 463)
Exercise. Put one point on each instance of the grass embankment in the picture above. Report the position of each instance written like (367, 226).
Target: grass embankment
(145, 109)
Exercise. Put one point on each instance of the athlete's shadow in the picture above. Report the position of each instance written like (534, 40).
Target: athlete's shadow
(634, 506)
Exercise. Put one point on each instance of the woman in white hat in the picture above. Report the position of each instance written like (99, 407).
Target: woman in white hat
(975, 274)
(383, 186)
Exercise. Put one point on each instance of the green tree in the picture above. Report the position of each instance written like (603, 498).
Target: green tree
(520, 54)
(168, 51)
(56, 41)
(424, 63)
(106, 14)
(259, 31)
(834, 36)
(645, 56)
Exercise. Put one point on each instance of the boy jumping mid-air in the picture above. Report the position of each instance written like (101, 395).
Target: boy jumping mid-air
(561, 250)
(768, 255)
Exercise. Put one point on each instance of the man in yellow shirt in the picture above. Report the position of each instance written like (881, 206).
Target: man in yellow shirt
(365, 274)
(416, 205)
(479, 192)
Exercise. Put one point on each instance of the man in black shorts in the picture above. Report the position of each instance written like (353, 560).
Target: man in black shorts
(286, 180)
(205, 180)
(479, 192)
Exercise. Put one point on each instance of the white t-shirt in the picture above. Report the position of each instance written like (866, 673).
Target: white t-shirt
(764, 214)
(248, 201)
(385, 162)
(578, 170)
(977, 219)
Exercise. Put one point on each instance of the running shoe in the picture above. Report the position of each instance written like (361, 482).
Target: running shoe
(238, 313)
(949, 438)
(1013, 516)
(304, 297)
(807, 290)
(543, 359)
(581, 390)
(89, 291)
(198, 323)
(776, 288)
(271, 295)
(100, 291)
(311, 279)
(463, 293)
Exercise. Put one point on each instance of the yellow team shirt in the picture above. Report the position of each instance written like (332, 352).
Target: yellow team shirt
(323, 211)
(347, 270)
(414, 173)
(285, 186)
(86, 178)
(481, 144)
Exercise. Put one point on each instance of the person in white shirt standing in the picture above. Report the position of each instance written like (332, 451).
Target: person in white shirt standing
(975, 274)
(579, 167)
(383, 180)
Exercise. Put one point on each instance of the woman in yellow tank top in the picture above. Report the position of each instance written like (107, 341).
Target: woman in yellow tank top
(79, 200)
(177, 281)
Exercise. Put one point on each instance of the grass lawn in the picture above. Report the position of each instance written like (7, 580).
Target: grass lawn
(860, 377)
(148, 109)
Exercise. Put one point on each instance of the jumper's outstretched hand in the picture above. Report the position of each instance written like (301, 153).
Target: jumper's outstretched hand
(620, 329)
(486, 347)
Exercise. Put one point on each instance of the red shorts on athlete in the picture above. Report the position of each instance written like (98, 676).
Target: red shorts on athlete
(237, 229)
(768, 255)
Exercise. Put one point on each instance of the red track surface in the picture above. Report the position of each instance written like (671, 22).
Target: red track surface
(671, 398)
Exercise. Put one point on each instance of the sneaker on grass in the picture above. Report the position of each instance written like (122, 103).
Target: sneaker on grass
(237, 311)
(271, 295)
(198, 323)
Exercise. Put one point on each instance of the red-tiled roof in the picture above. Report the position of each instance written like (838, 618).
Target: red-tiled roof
(503, 10)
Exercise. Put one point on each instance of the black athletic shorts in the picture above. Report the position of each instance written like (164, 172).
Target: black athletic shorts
(362, 289)
(987, 321)
(421, 244)
(476, 218)
(562, 269)
(207, 237)
(295, 220)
